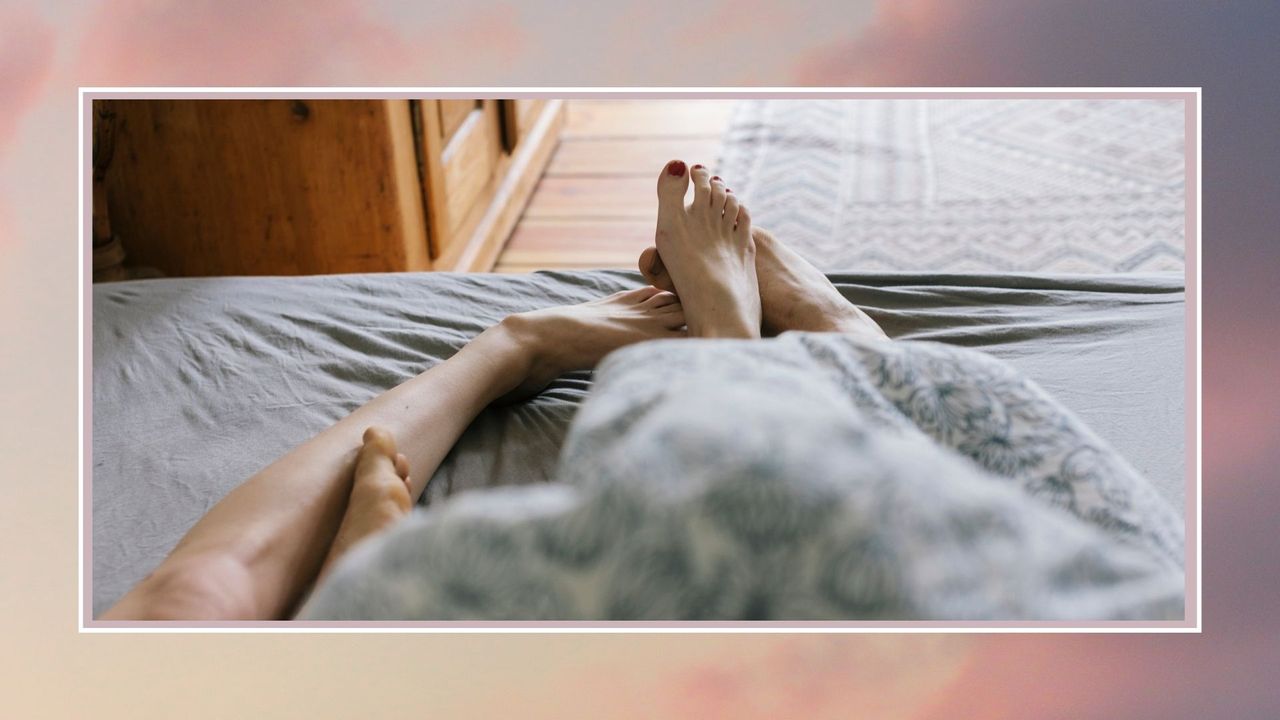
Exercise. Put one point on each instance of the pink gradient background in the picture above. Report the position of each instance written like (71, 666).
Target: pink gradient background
(46, 52)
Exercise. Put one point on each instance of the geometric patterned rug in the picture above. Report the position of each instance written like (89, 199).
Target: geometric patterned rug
(1036, 185)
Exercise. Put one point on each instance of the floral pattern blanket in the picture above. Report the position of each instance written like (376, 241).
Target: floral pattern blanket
(807, 477)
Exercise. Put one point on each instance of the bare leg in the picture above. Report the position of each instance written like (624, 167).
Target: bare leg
(794, 295)
(255, 553)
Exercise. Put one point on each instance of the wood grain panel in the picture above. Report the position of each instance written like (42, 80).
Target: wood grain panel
(469, 160)
(518, 117)
(490, 224)
(527, 111)
(226, 187)
(452, 114)
(468, 236)
(430, 146)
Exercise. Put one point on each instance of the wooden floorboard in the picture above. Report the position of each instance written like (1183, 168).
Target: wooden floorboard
(577, 243)
(595, 198)
(630, 156)
(566, 235)
(595, 205)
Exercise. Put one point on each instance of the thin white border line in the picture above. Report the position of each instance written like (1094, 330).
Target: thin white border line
(725, 93)
(1200, 364)
(80, 359)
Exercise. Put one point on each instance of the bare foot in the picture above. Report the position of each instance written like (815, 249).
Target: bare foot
(800, 297)
(709, 253)
(380, 494)
(577, 337)
(794, 295)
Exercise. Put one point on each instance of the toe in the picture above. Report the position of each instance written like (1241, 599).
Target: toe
(378, 440)
(730, 209)
(701, 185)
(641, 295)
(743, 229)
(377, 456)
(661, 298)
(674, 319)
(402, 466)
(654, 271)
(673, 181)
(647, 263)
(717, 193)
(760, 236)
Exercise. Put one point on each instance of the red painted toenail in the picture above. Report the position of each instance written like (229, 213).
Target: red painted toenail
(715, 177)
(727, 190)
(676, 168)
(699, 166)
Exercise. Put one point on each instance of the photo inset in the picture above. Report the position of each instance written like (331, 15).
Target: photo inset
(618, 359)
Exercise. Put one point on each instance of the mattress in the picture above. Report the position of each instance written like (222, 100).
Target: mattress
(199, 383)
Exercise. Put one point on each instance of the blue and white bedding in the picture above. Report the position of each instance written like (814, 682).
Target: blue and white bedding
(809, 477)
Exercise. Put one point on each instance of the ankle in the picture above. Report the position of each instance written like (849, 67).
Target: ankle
(523, 336)
(738, 326)
(522, 343)
(858, 323)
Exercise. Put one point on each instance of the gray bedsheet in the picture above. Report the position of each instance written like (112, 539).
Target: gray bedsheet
(198, 383)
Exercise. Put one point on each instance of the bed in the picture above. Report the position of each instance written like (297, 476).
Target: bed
(966, 185)
(198, 383)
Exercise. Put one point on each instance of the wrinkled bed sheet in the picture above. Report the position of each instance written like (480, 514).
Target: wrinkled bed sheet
(198, 383)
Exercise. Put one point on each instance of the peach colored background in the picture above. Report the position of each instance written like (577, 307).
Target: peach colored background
(47, 51)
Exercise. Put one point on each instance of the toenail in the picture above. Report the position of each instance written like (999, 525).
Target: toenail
(727, 190)
(715, 177)
(676, 168)
(699, 166)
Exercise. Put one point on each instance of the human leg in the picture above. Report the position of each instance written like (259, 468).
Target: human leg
(253, 555)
